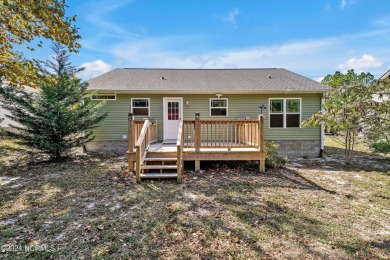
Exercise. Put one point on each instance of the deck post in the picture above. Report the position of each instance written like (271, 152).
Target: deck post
(261, 133)
(261, 142)
(131, 141)
(197, 132)
(138, 164)
(197, 165)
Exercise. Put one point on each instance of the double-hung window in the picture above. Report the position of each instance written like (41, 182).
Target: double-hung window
(284, 112)
(140, 106)
(218, 106)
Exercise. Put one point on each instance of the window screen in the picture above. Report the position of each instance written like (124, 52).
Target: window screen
(140, 106)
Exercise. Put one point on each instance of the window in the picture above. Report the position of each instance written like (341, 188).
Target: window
(140, 106)
(218, 106)
(284, 112)
(103, 97)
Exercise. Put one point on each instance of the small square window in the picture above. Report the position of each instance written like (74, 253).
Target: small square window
(218, 107)
(140, 106)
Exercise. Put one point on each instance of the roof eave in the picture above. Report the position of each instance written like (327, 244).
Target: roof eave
(280, 91)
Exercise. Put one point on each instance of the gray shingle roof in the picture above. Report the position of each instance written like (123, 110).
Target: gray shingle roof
(204, 81)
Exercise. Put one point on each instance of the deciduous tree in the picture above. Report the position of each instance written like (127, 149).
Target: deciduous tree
(377, 121)
(26, 23)
(345, 107)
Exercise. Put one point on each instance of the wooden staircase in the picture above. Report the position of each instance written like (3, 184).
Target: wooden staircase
(153, 164)
(159, 165)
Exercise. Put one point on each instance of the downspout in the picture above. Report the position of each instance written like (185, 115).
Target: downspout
(84, 146)
(322, 128)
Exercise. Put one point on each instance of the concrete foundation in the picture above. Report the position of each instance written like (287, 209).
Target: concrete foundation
(286, 148)
(299, 148)
(118, 147)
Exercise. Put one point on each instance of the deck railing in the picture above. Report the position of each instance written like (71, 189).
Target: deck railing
(134, 129)
(232, 133)
(141, 147)
(180, 146)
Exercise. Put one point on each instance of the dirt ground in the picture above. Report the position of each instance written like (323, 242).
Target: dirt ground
(89, 207)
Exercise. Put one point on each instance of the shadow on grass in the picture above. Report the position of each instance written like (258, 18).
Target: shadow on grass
(7, 150)
(281, 178)
(339, 152)
(210, 216)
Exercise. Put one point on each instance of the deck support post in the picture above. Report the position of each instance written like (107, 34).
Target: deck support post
(261, 133)
(197, 165)
(138, 165)
(131, 141)
(262, 166)
(197, 132)
(261, 142)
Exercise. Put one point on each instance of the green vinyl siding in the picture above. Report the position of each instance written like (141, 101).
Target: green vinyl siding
(239, 107)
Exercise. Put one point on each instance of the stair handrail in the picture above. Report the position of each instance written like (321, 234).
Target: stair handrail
(141, 147)
(180, 145)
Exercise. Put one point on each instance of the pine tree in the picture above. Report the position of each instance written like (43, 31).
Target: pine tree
(58, 116)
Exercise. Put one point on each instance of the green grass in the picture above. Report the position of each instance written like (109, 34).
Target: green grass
(86, 207)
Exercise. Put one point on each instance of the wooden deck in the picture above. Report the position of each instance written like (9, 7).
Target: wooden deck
(161, 147)
(197, 140)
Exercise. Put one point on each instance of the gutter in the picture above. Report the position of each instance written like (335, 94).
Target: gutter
(225, 92)
(322, 129)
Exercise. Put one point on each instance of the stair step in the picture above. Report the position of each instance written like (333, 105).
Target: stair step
(158, 175)
(159, 167)
(154, 159)
(161, 154)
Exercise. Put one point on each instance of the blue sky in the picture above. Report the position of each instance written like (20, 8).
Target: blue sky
(310, 37)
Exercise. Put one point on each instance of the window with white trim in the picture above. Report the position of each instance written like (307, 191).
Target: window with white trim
(284, 112)
(140, 106)
(103, 97)
(218, 106)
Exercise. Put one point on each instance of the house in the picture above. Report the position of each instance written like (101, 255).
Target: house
(167, 96)
(381, 95)
(6, 122)
(385, 76)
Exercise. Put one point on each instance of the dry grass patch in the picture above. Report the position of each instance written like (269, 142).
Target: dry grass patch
(86, 207)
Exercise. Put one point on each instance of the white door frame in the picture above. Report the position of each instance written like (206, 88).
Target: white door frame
(165, 113)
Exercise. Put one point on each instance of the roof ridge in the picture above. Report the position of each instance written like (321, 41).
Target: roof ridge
(198, 69)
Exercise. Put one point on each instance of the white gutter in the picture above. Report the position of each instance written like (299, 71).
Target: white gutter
(322, 128)
(165, 92)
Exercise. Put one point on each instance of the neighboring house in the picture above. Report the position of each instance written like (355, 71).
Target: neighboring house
(3, 112)
(167, 95)
(385, 76)
(6, 122)
(380, 97)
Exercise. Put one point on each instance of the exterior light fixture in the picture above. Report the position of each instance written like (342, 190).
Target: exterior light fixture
(262, 106)
(131, 116)
(218, 95)
(197, 115)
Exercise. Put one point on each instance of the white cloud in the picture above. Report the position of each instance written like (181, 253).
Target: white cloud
(343, 4)
(93, 69)
(327, 6)
(312, 58)
(98, 12)
(360, 64)
(382, 21)
(231, 17)
(318, 79)
(150, 53)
